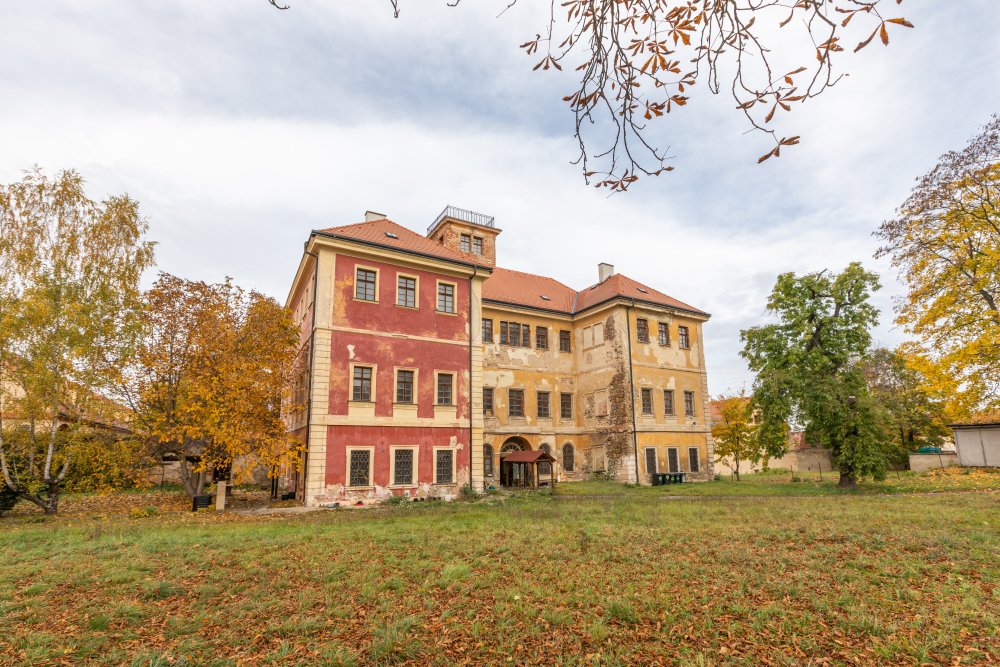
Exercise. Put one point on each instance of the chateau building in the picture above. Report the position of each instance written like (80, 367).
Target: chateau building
(426, 366)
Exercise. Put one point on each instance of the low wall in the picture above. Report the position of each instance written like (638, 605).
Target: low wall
(925, 462)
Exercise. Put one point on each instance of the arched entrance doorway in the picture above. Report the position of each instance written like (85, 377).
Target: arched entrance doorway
(510, 475)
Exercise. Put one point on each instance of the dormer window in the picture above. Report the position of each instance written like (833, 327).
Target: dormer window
(642, 290)
(391, 235)
(545, 298)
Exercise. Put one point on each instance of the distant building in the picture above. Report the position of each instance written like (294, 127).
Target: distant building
(978, 443)
(426, 364)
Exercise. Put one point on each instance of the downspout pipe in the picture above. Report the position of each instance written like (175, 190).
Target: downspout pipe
(631, 388)
(312, 366)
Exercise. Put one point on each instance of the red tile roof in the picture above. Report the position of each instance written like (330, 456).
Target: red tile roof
(374, 231)
(526, 289)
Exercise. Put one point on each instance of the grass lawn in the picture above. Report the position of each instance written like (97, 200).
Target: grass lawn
(621, 578)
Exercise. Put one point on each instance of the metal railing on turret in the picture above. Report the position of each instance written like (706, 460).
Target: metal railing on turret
(465, 215)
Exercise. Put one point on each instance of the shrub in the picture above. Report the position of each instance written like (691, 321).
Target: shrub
(469, 493)
(102, 463)
(396, 500)
(7, 498)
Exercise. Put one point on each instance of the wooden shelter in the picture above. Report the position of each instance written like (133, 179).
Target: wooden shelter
(522, 467)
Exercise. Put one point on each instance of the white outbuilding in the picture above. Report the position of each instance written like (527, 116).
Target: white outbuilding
(977, 444)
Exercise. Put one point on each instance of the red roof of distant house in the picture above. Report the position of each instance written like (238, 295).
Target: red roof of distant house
(377, 232)
(527, 456)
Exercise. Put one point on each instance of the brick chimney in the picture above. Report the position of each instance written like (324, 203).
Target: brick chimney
(605, 271)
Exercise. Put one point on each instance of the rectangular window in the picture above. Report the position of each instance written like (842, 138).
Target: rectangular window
(599, 334)
(487, 331)
(406, 292)
(566, 406)
(360, 474)
(694, 462)
(364, 285)
(673, 464)
(404, 386)
(525, 335)
(663, 333)
(601, 403)
(444, 388)
(642, 330)
(668, 401)
(515, 400)
(446, 298)
(543, 405)
(564, 345)
(650, 460)
(487, 400)
(444, 466)
(465, 243)
(477, 245)
(362, 383)
(504, 339)
(514, 334)
(542, 338)
(683, 339)
(402, 471)
(689, 403)
(647, 401)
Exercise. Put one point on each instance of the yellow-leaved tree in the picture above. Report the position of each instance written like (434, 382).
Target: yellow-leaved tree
(946, 242)
(214, 369)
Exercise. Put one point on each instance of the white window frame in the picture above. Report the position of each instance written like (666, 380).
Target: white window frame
(395, 384)
(677, 453)
(656, 460)
(371, 466)
(454, 297)
(416, 291)
(697, 458)
(414, 481)
(454, 466)
(350, 392)
(454, 387)
(363, 267)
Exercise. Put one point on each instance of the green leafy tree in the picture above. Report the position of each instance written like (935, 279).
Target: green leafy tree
(69, 303)
(737, 435)
(808, 372)
(914, 417)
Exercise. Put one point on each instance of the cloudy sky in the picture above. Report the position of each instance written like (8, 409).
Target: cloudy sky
(240, 128)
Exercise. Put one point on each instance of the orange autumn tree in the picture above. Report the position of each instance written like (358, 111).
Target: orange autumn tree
(635, 61)
(211, 376)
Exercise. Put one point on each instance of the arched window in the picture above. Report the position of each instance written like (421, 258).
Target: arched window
(568, 454)
(545, 468)
(487, 460)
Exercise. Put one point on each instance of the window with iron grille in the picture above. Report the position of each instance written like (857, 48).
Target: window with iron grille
(487, 460)
(650, 460)
(364, 285)
(444, 460)
(406, 292)
(525, 335)
(568, 457)
(647, 401)
(465, 243)
(446, 298)
(515, 402)
(663, 333)
(362, 383)
(361, 460)
(566, 406)
(683, 338)
(544, 467)
(668, 401)
(542, 338)
(404, 386)
(673, 464)
(543, 405)
(689, 403)
(402, 471)
(477, 245)
(564, 345)
(504, 338)
(444, 388)
(487, 331)
(694, 462)
(642, 330)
